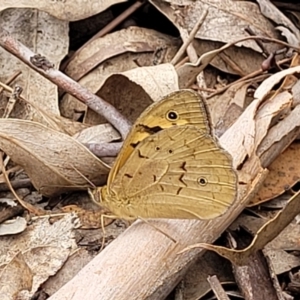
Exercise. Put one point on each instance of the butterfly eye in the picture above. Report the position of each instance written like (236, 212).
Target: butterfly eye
(202, 181)
(172, 115)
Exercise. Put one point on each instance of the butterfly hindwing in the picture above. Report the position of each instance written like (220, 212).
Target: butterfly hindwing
(180, 172)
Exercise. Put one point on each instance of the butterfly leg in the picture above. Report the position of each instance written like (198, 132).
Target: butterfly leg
(103, 227)
(142, 219)
(159, 230)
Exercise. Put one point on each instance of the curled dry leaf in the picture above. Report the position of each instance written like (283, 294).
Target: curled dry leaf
(98, 134)
(122, 50)
(55, 162)
(134, 90)
(269, 83)
(265, 234)
(13, 226)
(150, 46)
(146, 45)
(271, 111)
(65, 10)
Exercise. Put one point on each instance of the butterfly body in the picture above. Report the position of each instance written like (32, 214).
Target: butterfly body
(170, 169)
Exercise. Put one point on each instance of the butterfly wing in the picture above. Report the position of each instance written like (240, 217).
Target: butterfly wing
(180, 172)
(184, 107)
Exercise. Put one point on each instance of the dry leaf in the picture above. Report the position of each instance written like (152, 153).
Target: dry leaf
(243, 60)
(283, 174)
(281, 260)
(98, 134)
(287, 240)
(132, 40)
(44, 248)
(15, 277)
(269, 83)
(134, 90)
(225, 22)
(55, 162)
(65, 10)
(195, 285)
(72, 266)
(291, 32)
(50, 119)
(44, 262)
(88, 218)
(40, 233)
(13, 226)
(129, 42)
(264, 235)
(45, 34)
(245, 127)
(225, 108)
(150, 78)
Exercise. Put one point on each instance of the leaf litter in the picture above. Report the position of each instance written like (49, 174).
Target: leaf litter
(48, 132)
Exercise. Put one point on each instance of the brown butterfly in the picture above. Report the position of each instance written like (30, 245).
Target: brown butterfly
(170, 166)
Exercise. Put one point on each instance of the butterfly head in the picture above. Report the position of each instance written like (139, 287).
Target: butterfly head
(99, 195)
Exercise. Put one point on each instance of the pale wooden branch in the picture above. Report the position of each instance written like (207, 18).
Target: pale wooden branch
(109, 112)
(143, 263)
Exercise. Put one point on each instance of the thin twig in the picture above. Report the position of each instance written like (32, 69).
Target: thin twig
(16, 184)
(182, 62)
(248, 76)
(45, 68)
(205, 59)
(187, 42)
(260, 44)
(11, 79)
(217, 288)
(24, 204)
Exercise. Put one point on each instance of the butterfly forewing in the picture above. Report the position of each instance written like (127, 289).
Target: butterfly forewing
(180, 172)
(184, 107)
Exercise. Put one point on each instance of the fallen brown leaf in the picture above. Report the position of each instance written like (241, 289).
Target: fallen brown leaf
(55, 162)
